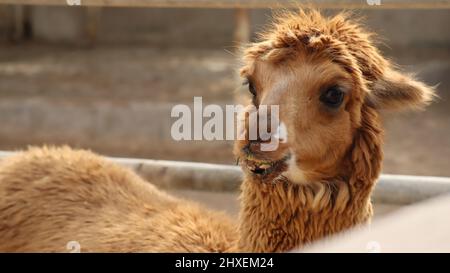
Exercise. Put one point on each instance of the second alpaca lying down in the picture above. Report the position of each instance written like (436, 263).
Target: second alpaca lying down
(330, 84)
(51, 196)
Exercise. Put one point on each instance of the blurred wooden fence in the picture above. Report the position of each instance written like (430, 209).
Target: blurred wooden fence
(242, 26)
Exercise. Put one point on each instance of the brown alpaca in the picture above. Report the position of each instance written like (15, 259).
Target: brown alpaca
(330, 83)
(51, 196)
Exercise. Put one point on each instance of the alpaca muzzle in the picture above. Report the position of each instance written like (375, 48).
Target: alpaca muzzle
(264, 167)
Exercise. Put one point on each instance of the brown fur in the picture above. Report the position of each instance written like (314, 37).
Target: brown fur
(52, 196)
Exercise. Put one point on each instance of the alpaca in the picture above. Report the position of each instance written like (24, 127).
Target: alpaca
(53, 196)
(330, 83)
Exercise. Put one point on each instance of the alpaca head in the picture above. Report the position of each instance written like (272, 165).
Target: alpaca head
(323, 73)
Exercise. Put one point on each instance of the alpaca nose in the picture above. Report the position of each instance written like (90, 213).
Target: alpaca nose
(252, 146)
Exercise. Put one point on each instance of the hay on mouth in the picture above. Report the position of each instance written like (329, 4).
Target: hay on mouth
(263, 167)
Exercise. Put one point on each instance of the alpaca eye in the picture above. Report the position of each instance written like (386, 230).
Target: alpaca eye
(252, 90)
(251, 87)
(332, 97)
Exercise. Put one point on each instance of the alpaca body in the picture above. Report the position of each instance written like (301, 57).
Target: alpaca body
(52, 196)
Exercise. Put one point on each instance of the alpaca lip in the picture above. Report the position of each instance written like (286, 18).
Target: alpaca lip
(263, 167)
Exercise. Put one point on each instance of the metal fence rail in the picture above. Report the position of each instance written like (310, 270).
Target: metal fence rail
(391, 189)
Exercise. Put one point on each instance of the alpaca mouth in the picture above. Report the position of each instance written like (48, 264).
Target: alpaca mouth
(264, 167)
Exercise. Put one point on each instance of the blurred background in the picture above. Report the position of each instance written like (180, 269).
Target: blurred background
(106, 78)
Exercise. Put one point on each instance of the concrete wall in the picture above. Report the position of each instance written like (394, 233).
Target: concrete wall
(58, 24)
(5, 23)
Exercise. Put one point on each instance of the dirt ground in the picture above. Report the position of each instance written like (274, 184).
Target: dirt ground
(60, 77)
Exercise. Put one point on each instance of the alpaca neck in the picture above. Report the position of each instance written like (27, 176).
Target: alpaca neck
(281, 215)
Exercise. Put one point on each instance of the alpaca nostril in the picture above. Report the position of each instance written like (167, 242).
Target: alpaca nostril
(252, 145)
(246, 149)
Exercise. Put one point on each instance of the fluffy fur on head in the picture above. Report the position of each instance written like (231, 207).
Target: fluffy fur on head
(343, 40)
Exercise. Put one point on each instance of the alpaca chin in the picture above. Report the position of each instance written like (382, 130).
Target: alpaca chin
(294, 173)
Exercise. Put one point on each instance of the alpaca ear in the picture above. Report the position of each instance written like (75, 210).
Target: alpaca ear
(396, 91)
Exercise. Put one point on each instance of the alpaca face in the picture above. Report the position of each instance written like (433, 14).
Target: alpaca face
(316, 100)
(321, 72)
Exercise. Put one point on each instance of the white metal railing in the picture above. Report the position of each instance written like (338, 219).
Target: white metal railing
(390, 189)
